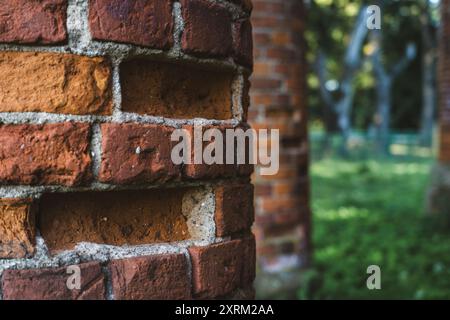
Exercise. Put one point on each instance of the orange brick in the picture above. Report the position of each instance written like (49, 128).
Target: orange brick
(55, 83)
(281, 38)
(283, 188)
(17, 228)
(114, 217)
(276, 205)
(261, 69)
(174, 91)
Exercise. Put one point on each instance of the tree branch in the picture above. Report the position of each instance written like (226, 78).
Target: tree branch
(400, 66)
(320, 69)
(353, 54)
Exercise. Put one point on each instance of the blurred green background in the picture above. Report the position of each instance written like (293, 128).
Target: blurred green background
(369, 203)
(370, 211)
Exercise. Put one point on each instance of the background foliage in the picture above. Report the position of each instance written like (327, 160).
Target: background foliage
(369, 209)
(372, 212)
(330, 24)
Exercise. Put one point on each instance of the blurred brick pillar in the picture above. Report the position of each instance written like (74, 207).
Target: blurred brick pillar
(444, 83)
(278, 97)
(439, 190)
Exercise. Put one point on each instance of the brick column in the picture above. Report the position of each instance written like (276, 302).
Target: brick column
(278, 99)
(90, 94)
(439, 190)
(444, 83)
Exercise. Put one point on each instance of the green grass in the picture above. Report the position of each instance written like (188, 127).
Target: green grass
(372, 213)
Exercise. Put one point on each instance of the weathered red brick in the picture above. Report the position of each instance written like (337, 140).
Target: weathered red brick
(134, 153)
(212, 171)
(219, 269)
(33, 22)
(55, 83)
(246, 169)
(246, 98)
(151, 277)
(142, 22)
(51, 284)
(45, 154)
(130, 217)
(175, 91)
(208, 171)
(17, 228)
(243, 42)
(234, 208)
(207, 29)
(248, 272)
(138, 153)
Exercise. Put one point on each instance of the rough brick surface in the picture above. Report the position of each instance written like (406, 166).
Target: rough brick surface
(98, 162)
(142, 22)
(45, 154)
(151, 277)
(17, 228)
(242, 42)
(204, 170)
(248, 272)
(51, 284)
(212, 171)
(134, 153)
(138, 153)
(207, 30)
(115, 218)
(175, 91)
(220, 268)
(246, 98)
(33, 22)
(234, 208)
(55, 83)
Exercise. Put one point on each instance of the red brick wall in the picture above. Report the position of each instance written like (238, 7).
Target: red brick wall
(444, 83)
(278, 99)
(89, 96)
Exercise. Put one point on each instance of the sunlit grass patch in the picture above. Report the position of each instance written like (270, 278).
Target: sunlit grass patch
(371, 212)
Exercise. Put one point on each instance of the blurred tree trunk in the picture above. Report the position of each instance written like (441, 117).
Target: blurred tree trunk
(342, 108)
(383, 88)
(429, 60)
(383, 115)
(329, 112)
